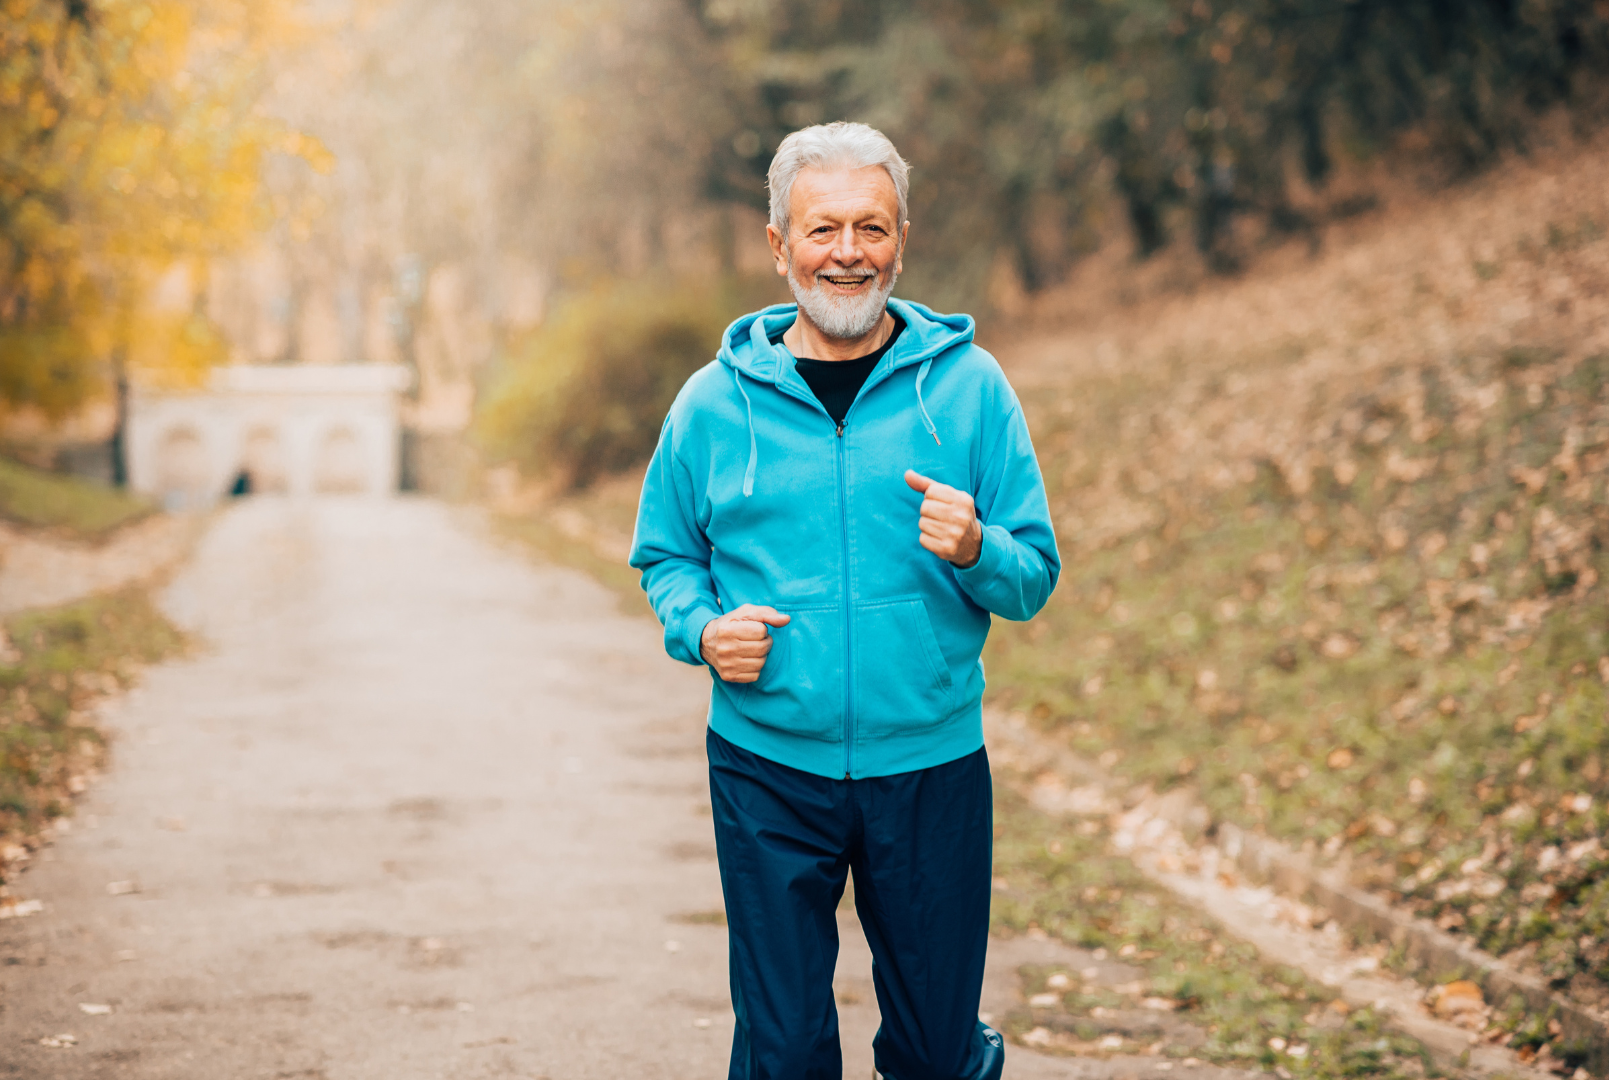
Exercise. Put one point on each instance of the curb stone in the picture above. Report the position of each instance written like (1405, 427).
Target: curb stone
(1441, 954)
(1275, 865)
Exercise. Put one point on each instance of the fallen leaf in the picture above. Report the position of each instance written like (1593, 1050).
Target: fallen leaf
(1339, 646)
(1456, 998)
(1534, 480)
(1339, 758)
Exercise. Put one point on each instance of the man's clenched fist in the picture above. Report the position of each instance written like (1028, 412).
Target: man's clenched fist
(950, 526)
(736, 644)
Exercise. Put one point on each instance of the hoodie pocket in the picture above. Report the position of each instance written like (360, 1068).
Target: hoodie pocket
(801, 687)
(901, 680)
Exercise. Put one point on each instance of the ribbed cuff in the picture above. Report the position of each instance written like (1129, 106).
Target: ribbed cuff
(990, 556)
(693, 624)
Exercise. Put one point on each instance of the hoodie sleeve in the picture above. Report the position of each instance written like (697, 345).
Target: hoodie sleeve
(671, 550)
(1019, 564)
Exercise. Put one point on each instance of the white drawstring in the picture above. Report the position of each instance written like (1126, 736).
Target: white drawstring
(754, 449)
(927, 421)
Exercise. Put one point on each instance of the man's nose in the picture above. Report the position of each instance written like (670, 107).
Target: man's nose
(846, 248)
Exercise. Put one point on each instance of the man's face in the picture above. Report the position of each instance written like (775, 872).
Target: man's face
(842, 251)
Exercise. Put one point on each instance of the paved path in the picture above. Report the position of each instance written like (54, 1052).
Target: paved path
(416, 808)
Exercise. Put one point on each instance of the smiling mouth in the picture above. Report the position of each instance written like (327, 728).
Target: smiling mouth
(850, 282)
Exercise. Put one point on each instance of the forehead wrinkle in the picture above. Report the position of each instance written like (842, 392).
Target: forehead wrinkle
(871, 196)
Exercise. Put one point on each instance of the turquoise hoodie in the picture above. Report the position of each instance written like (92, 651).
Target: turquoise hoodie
(755, 497)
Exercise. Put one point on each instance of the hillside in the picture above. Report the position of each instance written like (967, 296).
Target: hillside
(1334, 536)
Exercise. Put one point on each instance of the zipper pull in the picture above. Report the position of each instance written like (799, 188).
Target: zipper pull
(840, 431)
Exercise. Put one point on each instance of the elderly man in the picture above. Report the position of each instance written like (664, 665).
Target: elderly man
(836, 507)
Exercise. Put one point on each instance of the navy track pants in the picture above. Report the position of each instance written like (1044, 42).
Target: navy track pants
(920, 845)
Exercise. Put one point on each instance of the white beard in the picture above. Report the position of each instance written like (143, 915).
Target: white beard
(842, 317)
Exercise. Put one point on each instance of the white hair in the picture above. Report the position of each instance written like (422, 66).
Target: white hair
(841, 145)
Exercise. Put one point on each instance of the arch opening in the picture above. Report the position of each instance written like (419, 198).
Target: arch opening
(182, 469)
(263, 461)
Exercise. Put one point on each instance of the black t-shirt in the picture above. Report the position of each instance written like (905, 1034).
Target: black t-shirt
(836, 382)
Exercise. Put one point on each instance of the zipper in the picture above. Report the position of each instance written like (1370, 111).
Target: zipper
(849, 628)
(843, 538)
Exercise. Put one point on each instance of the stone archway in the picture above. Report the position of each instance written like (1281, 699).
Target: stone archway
(341, 466)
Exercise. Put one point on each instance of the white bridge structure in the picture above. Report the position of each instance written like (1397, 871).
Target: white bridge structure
(299, 429)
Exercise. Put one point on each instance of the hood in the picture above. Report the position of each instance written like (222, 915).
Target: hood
(746, 345)
(747, 351)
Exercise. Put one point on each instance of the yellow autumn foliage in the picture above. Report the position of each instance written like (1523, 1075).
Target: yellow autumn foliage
(129, 140)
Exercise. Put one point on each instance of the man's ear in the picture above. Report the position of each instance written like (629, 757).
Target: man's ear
(779, 249)
(899, 253)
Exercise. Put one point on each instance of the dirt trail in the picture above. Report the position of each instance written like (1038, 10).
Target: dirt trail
(43, 570)
(416, 808)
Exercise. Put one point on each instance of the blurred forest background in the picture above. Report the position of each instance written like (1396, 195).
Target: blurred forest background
(343, 180)
(1307, 302)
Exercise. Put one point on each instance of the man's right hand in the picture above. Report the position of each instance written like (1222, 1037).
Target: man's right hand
(736, 644)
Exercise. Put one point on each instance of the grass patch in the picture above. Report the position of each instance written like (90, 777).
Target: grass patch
(55, 664)
(1390, 646)
(1231, 1008)
(79, 508)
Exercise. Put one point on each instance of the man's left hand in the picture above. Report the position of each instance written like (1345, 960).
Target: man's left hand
(950, 526)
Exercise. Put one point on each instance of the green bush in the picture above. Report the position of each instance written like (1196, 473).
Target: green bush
(585, 394)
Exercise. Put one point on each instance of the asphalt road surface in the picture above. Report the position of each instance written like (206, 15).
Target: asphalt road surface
(415, 807)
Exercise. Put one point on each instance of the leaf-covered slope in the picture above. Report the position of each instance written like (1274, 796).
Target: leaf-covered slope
(1349, 579)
